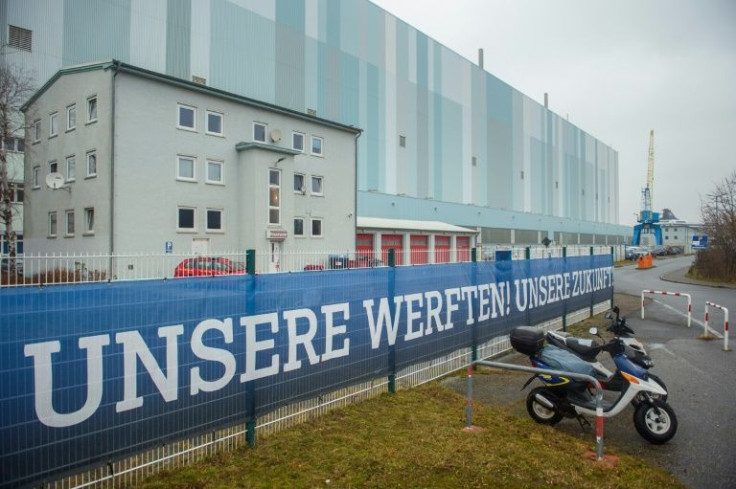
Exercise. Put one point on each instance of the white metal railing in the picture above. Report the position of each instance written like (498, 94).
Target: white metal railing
(65, 268)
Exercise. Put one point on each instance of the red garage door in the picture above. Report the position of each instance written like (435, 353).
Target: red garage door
(364, 245)
(441, 249)
(419, 249)
(463, 248)
(391, 242)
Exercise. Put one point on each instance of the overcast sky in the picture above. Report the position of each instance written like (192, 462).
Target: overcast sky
(616, 69)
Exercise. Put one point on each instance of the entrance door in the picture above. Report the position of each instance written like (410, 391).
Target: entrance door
(200, 246)
(274, 265)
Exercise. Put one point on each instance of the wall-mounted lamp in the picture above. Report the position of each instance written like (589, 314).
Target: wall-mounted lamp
(279, 160)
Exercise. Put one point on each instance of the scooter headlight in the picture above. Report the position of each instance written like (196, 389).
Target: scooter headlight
(646, 362)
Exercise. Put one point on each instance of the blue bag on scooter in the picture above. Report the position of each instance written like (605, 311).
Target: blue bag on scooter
(561, 359)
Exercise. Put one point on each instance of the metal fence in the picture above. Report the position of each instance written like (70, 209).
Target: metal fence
(176, 452)
(64, 268)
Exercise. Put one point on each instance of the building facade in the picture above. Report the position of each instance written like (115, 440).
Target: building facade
(125, 160)
(444, 140)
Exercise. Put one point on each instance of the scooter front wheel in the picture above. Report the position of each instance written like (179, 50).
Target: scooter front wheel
(656, 421)
(539, 410)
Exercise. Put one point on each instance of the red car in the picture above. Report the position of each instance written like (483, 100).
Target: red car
(203, 266)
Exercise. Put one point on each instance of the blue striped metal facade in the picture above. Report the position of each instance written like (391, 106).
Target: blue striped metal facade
(469, 138)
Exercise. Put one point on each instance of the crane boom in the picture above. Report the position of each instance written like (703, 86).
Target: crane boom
(650, 171)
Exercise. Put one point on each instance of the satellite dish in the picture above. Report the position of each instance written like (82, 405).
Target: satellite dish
(276, 135)
(54, 180)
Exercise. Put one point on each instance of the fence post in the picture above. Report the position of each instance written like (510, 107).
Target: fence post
(592, 296)
(613, 260)
(474, 327)
(528, 253)
(564, 303)
(392, 309)
(250, 391)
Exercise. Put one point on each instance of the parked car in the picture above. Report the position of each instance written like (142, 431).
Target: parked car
(336, 262)
(674, 250)
(634, 252)
(658, 250)
(205, 266)
(5, 266)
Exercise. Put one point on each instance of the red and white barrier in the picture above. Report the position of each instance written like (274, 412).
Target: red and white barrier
(675, 294)
(725, 322)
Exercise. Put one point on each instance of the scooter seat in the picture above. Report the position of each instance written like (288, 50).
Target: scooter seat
(584, 347)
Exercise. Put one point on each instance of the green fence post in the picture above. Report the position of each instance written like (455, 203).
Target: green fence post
(250, 422)
(474, 329)
(392, 309)
(250, 262)
(564, 307)
(613, 256)
(592, 300)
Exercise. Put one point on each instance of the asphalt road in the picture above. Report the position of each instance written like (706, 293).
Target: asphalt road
(699, 375)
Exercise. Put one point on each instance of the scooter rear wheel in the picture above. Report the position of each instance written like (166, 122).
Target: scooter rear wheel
(538, 411)
(655, 422)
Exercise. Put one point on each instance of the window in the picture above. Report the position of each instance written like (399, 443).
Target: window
(36, 176)
(20, 145)
(185, 219)
(298, 226)
(16, 193)
(71, 169)
(89, 220)
(297, 141)
(53, 121)
(71, 117)
(214, 123)
(69, 223)
(92, 109)
(317, 227)
(259, 132)
(299, 183)
(91, 164)
(317, 146)
(53, 166)
(52, 224)
(20, 38)
(187, 116)
(214, 220)
(185, 168)
(274, 197)
(317, 186)
(214, 172)
(36, 130)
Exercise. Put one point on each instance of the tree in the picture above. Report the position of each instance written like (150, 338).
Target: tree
(718, 212)
(15, 88)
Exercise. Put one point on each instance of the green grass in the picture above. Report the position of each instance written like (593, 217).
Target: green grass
(415, 438)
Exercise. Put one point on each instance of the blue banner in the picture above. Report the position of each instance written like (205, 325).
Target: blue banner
(92, 373)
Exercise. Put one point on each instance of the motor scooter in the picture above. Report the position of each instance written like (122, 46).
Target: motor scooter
(562, 396)
(634, 350)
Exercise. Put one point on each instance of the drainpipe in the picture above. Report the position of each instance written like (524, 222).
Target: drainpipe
(115, 67)
(355, 191)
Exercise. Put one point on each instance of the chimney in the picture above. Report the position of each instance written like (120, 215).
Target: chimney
(480, 58)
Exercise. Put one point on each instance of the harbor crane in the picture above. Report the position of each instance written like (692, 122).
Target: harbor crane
(648, 219)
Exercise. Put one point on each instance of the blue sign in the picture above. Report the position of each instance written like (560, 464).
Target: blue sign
(94, 372)
(169, 247)
(700, 242)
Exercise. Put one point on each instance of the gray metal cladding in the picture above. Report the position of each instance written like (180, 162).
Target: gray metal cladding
(351, 62)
